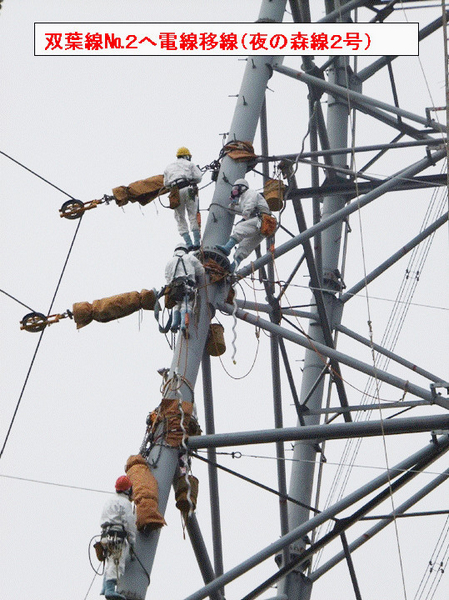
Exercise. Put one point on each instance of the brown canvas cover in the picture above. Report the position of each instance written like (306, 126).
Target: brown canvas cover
(181, 494)
(169, 414)
(274, 194)
(240, 151)
(215, 343)
(143, 191)
(174, 198)
(145, 494)
(114, 307)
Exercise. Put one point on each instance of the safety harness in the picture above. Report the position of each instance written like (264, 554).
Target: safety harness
(182, 287)
(180, 184)
(113, 536)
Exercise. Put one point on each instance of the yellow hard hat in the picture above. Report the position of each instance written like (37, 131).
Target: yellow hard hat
(183, 151)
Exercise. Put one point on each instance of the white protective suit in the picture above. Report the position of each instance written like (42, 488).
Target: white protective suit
(118, 511)
(183, 169)
(183, 265)
(247, 232)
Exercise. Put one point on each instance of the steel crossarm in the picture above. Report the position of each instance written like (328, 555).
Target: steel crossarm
(341, 214)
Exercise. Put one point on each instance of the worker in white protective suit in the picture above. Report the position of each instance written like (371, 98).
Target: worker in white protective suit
(246, 233)
(182, 274)
(185, 175)
(118, 535)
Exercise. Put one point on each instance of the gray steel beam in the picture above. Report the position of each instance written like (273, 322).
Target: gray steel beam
(348, 557)
(280, 452)
(399, 511)
(274, 350)
(361, 99)
(320, 302)
(163, 460)
(296, 11)
(395, 357)
(429, 453)
(352, 189)
(213, 475)
(321, 350)
(401, 404)
(291, 382)
(202, 557)
(393, 259)
(340, 526)
(387, 186)
(341, 11)
(396, 123)
(320, 433)
(266, 308)
(356, 149)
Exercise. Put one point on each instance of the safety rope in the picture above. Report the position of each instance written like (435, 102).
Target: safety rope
(187, 464)
(234, 329)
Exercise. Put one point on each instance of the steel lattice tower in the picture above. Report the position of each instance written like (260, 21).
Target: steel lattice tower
(317, 246)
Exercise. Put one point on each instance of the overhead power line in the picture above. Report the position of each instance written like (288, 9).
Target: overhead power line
(63, 485)
(39, 341)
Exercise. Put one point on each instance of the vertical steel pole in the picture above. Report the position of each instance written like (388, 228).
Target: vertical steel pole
(188, 353)
(302, 476)
(275, 366)
(213, 475)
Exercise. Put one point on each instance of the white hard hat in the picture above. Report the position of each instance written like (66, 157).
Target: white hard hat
(242, 182)
(181, 247)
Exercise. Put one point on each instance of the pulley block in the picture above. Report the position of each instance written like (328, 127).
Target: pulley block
(36, 321)
(74, 209)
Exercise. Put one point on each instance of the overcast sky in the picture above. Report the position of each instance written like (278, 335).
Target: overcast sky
(88, 124)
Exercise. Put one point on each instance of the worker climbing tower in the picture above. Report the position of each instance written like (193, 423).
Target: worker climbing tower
(321, 246)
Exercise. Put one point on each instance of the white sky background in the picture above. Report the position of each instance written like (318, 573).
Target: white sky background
(87, 125)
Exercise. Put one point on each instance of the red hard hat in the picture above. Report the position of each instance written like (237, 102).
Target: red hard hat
(123, 484)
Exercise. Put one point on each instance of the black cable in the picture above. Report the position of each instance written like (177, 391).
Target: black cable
(13, 298)
(63, 485)
(39, 342)
(90, 559)
(21, 393)
(40, 176)
(140, 563)
(257, 483)
(91, 584)
(65, 265)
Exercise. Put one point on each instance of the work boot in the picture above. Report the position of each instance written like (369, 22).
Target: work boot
(109, 590)
(188, 240)
(226, 249)
(235, 264)
(196, 239)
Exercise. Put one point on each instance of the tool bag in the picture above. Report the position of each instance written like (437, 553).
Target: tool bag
(100, 551)
(173, 197)
(268, 225)
(179, 289)
(180, 184)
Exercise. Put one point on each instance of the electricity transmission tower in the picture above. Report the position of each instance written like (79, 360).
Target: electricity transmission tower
(402, 143)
